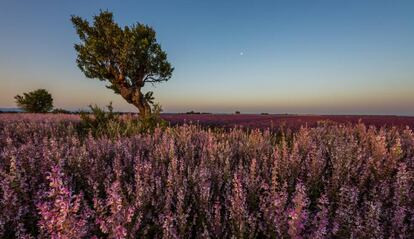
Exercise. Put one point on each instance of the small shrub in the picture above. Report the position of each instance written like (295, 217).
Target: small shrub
(153, 120)
(97, 121)
(60, 111)
(101, 122)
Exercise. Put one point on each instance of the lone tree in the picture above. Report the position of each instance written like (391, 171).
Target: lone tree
(126, 58)
(38, 101)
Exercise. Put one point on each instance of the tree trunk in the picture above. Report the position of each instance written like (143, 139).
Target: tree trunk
(134, 96)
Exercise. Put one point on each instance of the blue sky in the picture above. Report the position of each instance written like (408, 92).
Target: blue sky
(320, 57)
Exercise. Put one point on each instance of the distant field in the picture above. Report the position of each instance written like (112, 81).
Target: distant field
(289, 121)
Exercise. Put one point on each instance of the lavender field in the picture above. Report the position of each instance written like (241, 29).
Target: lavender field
(329, 181)
(291, 121)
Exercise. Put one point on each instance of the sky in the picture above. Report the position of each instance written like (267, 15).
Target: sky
(305, 57)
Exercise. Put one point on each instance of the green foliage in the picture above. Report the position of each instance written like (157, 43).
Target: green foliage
(38, 101)
(126, 58)
(153, 120)
(100, 122)
(149, 97)
(97, 121)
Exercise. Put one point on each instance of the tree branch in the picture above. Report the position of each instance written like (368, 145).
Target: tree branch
(151, 79)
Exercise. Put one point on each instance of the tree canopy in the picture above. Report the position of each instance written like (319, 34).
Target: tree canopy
(127, 58)
(38, 101)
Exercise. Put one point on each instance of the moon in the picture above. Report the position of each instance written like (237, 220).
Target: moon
(241, 53)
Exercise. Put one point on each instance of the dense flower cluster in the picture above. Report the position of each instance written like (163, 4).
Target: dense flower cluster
(331, 181)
